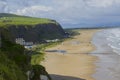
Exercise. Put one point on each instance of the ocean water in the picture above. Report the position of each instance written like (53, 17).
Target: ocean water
(113, 39)
(108, 40)
(107, 44)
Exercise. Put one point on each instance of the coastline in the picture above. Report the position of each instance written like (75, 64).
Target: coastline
(76, 63)
(108, 63)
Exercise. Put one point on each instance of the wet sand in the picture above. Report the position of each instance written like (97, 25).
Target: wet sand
(108, 64)
(75, 63)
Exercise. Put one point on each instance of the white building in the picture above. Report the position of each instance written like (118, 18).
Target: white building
(21, 41)
(55, 40)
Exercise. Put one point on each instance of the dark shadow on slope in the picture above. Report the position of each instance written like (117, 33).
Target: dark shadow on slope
(59, 51)
(51, 51)
(61, 77)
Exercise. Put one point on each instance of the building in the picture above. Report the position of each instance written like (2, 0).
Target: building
(21, 41)
(55, 40)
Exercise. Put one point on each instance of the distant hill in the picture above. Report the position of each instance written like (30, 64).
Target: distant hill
(12, 19)
(7, 15)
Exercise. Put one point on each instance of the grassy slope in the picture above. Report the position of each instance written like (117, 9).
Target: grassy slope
(40, 52)
(13, 62)
(11, 19)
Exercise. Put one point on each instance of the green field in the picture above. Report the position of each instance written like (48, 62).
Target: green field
(11, 19)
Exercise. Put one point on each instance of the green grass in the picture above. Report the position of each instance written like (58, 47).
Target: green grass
(11, 19)
(9, 70)
(13, 62)
(39, 52)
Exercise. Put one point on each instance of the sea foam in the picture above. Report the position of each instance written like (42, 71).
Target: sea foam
(107, 42)
(109, 38)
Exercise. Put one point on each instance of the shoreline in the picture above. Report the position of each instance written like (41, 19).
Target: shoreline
(107, 65)
(76, 63)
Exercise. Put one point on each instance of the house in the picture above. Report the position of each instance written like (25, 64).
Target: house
(21, 41)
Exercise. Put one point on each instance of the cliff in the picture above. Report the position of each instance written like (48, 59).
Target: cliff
(37, 33)
(29, 28)
(14, 58)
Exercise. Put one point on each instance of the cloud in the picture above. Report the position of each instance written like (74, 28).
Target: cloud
(100, 3)
(84, 12)
(2, 6)
(33, 10)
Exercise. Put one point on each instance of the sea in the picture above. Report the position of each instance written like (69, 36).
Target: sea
(107, 42)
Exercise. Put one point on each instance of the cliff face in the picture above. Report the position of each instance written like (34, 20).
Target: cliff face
(36, 33)
(30, 28)
(36, 30)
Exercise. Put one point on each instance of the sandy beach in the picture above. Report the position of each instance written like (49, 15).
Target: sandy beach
(74, 63)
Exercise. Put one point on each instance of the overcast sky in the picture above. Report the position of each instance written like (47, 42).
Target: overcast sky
(75, 13)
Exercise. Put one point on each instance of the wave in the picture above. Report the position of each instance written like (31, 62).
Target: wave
(108, 39)
(108, 65)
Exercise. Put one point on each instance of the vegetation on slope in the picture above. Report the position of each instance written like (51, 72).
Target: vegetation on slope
(11, 19)
(13, 62)
(72, 32)
(39, 50)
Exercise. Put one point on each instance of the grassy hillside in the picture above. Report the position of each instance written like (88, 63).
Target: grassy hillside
(7, 15)
(11, 19)
(13, 62)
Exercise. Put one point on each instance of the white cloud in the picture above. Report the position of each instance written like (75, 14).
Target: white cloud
(100, 3)
(65, 11)
(33, 9)
(2, 6)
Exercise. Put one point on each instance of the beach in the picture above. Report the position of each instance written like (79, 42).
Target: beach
(71, 60)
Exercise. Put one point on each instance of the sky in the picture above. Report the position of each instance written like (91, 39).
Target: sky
(69, 13)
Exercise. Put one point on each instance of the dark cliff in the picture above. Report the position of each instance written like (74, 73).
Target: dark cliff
(30, 28)
(36, 33)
